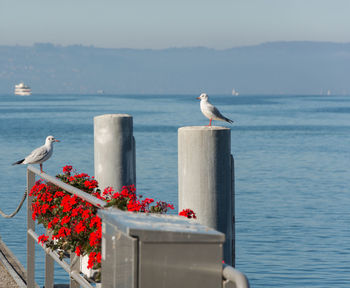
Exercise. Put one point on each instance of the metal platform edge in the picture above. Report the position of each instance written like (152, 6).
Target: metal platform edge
(12, 265)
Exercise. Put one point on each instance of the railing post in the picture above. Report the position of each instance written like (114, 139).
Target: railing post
(30, 240)
(49, 268)
(205, 179)
(114, 150)
(233, 210)
(74, 266)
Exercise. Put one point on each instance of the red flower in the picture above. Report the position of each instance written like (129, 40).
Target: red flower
(90, 184)
(95, 220)
(67, 169)
(63, 232)
(95, 238)
(44, 208)
(73, 200)
(92, 259)
(134, 206)
(53, 222)
(78, 251)
(98, 257)
(59, 194)
(86, 214)
(65, 220)
(68, 202)
(81, 175)
(75, 212)
(108, 191)
(80, 227)
(43, 239)
(188, 213)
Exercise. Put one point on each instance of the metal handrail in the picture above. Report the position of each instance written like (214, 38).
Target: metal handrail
(32, 237)
(230, 274)
(237, 278)
(68, 188)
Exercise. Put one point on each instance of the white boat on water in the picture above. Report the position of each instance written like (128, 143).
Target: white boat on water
(22, 90)
(235, 92)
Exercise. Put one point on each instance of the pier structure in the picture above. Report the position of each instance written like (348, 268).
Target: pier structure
(206, 180)
(141, 250)
(114, 151)
(12, 273)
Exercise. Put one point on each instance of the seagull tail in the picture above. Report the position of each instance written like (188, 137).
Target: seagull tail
(18, 162)
(228, 120)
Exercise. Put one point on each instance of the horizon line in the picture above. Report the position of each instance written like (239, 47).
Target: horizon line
(55, 45)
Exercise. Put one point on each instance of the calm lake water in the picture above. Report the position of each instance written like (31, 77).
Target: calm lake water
(292, 172)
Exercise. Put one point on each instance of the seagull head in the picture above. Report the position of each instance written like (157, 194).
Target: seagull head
(203, 96)
(51, 139)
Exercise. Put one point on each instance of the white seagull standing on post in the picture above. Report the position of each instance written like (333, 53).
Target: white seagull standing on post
(210, 111)
(41, 154)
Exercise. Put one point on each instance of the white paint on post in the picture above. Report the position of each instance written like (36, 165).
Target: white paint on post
(114, 151)
(205, 178)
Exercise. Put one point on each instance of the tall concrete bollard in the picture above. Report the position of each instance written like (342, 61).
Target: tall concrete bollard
(114, 149)
(206, 184)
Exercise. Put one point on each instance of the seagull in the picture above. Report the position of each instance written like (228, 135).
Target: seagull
(39, 155)
(210, 111)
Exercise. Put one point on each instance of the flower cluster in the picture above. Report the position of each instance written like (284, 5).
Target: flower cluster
(188, 213)
(73, 223)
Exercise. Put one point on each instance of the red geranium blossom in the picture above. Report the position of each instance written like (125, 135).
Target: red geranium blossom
(43, 238)
(188, 213)
(67, 169)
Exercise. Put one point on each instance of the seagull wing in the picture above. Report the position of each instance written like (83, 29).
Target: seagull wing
(214, 111)
(216, 114)
(37, 155)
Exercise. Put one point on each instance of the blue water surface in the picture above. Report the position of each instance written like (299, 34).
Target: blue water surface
(292, 172)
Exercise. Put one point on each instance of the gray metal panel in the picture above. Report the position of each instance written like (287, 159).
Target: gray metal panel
(144, 251)
(175, 265)
(119, 258)
(161, 228)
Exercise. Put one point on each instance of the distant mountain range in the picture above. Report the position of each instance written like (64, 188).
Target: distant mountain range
(276, 68)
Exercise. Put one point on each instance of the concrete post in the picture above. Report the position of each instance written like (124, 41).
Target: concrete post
(114, 149)
(205, 179)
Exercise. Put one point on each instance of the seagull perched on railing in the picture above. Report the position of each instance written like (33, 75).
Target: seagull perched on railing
(41, 154)
(210, 111)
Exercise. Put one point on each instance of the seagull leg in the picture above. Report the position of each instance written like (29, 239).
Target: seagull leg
(41, 167)
(209, 123)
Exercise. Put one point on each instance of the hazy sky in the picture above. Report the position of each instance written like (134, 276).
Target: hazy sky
(177, 23)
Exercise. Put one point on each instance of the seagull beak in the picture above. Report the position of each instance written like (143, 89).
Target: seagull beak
(198, 98)
(57, 140)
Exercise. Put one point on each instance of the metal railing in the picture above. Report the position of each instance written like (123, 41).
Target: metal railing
(71, 268)
(234, 277)
(231, 276)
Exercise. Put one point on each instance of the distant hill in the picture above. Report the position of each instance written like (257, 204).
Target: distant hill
(277, 67)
